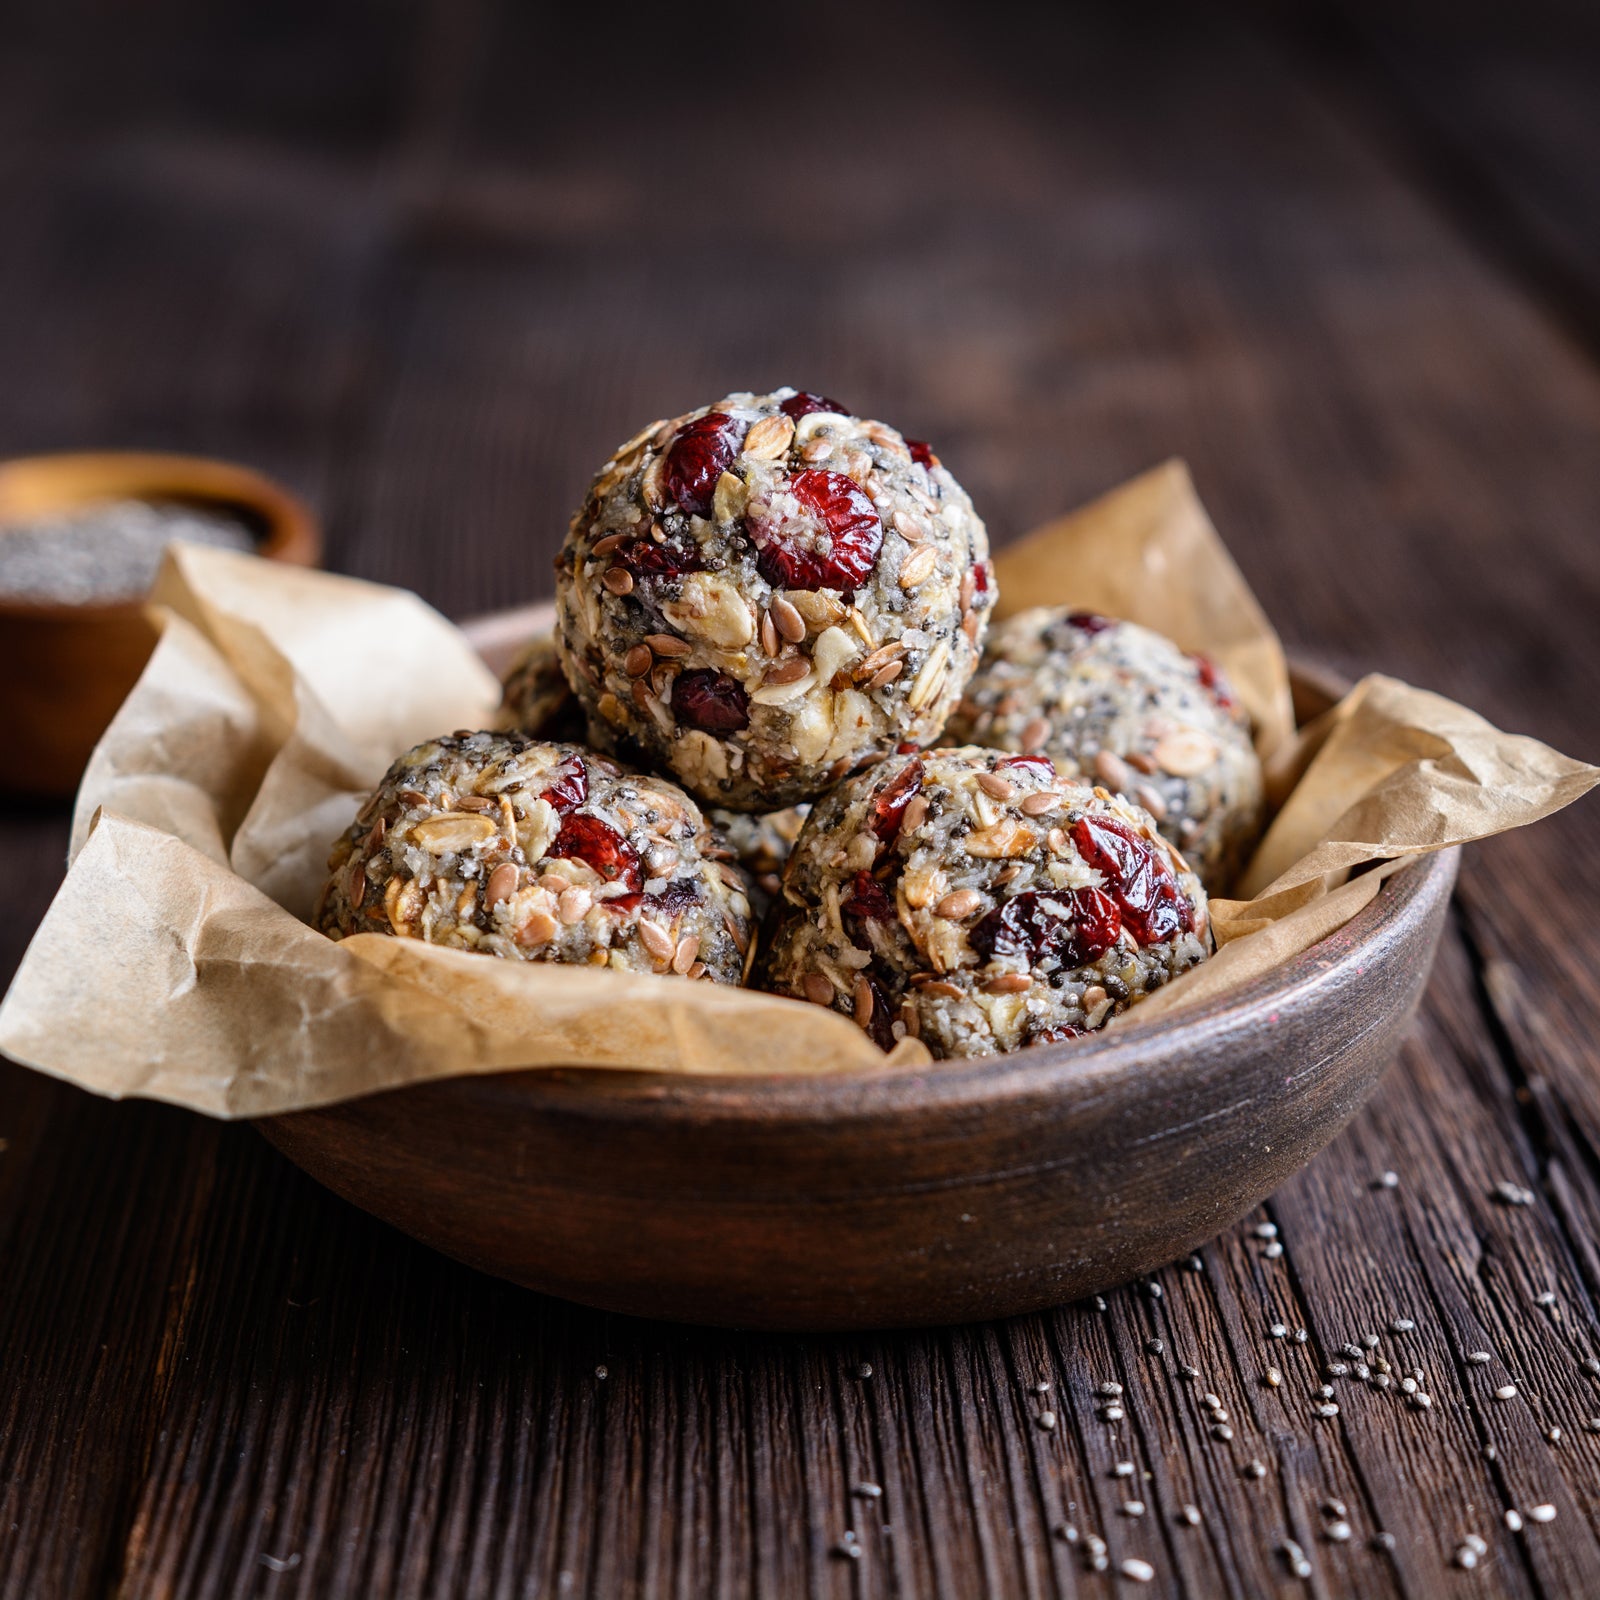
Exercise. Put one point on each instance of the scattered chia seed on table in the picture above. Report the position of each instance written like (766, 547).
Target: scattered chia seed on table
(105, 553)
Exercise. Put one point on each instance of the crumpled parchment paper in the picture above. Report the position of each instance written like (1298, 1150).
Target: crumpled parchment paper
(174, 963)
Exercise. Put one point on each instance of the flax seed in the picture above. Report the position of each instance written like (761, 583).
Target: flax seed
(788, 622)
(863, 1001)
(1009, 983)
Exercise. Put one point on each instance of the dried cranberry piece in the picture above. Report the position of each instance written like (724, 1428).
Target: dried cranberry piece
(585, 838)
(1056, 1035)
(711, 701)
(1090, 622)
(649, 558)
(890, 806)
(1043, 765)
(569, 785)
(846, 521)
(922, 453)
(678, 896)
(880, 1025)
(1211, 679)
(1153, 905)
(980, 577)
(703, 450)
(804, 403)
(868, 899)
(1073, 926)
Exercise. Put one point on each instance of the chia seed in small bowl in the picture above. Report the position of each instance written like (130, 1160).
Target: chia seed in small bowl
(81, 541)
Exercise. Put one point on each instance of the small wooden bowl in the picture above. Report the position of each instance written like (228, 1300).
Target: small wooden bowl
(68, 667)
(966, 1190)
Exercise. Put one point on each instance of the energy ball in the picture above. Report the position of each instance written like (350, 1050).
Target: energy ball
(537, 700)
(1121, 706)
(535, 697)
(761, 842)
(982, 902)
(538, 851)
(761, 594)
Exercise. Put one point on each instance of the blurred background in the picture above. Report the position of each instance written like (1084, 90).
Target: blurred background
(428, 263)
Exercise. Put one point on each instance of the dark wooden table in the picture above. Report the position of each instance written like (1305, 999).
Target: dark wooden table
(429, 263)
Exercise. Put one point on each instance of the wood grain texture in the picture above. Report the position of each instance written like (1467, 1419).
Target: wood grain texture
(429, 263)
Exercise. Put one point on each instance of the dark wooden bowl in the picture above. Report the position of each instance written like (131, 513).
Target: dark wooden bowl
(965, 1190)
(68, 667)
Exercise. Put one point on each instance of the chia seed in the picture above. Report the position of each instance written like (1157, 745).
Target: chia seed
(106, 553)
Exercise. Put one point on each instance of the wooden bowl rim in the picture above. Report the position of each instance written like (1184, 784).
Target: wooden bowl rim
(69, 478)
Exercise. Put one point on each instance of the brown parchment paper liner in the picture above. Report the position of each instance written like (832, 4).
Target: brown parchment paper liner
(173, 963)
